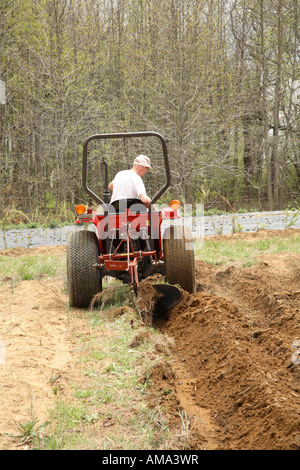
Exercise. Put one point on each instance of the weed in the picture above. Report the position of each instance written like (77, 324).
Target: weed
(51, 443)
(53, 224)
(30, 430)
(291, 217)
(212, 212)
(85, 393)
(248, 264)
(91, 418)
(236, 226)
(263, 245)
(91, 373)
(185, 428)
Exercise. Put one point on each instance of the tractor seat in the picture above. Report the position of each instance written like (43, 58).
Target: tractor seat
(135, 205)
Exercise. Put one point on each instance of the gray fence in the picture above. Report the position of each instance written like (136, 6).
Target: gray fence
(201, 226)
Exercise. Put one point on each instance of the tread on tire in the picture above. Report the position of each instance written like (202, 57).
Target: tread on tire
(83, 279)
(179, 257)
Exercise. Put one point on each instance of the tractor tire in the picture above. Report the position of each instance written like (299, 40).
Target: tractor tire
(179, 257)
(83, 279)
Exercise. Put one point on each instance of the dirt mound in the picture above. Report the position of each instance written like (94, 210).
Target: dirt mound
(235, 340)
(259, 235)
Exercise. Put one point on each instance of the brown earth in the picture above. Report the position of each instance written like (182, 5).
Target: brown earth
(234, 371)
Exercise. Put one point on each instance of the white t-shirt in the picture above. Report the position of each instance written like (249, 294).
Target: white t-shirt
(127, 185)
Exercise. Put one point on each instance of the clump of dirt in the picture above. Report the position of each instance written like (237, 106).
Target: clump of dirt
(147, 297)
(139, 339)
(235, 341)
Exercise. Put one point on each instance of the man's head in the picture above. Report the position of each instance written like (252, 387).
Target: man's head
(141, 164)
(143, 161)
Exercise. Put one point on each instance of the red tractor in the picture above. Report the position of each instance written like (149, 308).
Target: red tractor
(129, 243)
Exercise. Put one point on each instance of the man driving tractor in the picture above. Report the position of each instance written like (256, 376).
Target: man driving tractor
(128, 184)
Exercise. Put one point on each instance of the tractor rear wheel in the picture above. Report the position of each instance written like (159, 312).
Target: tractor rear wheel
(179, 257)
(84, 280)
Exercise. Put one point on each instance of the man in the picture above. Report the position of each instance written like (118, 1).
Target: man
(128, 184)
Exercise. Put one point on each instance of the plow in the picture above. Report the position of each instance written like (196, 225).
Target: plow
(131, 242)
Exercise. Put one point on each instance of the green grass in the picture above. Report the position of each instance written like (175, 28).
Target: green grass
(244, 251)
(113, 389)
(31, 266)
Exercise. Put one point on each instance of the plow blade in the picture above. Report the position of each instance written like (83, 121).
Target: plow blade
(169, 296)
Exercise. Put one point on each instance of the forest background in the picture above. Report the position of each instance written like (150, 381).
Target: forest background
(219, 79)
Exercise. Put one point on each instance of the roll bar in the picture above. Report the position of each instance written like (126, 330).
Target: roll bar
(122, 135)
